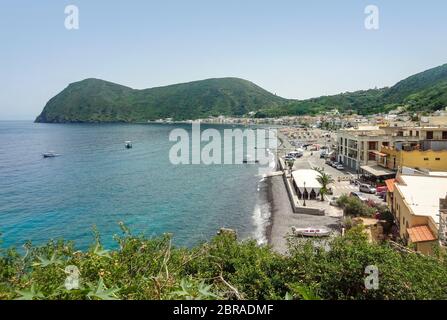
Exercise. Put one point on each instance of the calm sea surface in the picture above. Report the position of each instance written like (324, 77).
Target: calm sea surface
(97, 182)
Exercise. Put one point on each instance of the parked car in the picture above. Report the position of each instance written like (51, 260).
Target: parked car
(382, 195)
(359, 196)
(340, 167)
(328, 162)
(367, 188)
(335, 164)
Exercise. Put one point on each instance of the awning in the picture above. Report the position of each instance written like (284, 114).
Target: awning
(306, 179)
(377, 153)
(390, 184)
(377, 171)
(420, 234)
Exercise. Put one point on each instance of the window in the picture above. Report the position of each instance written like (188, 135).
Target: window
(429, 135)
(426, 159)
(372, 145)
(444, 135)
(438, 159)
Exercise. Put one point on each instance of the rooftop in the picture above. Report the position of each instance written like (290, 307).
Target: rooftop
(422, 193)
(307, 177)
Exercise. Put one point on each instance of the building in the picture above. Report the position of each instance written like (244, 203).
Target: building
(416, 200)
(386, 146)
(305, 182)
(359, 149)
(393, 158)
(425, 148)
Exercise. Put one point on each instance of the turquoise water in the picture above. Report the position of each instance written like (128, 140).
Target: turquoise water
(97, 182)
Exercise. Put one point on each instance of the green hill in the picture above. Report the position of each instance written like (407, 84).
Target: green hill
(417, 83)
(425, 91)
(94, 100)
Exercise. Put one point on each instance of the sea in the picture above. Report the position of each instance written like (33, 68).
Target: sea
(96, 183)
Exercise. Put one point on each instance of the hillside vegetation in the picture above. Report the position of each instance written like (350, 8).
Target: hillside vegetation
(223, 268)
(94, 100)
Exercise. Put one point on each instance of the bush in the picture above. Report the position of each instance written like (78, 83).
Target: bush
(222, 268)
(356, 208)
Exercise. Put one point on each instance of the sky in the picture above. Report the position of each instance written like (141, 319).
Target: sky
(296, 49)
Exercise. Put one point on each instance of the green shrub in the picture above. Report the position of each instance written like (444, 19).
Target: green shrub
(356, 208)
(222, 268)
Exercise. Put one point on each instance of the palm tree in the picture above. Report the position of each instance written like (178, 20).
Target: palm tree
(290, 164)
(325, 180)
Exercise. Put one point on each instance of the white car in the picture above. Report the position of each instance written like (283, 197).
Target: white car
(340, 167)
(366, 188)
(359, 196)
(333, 201)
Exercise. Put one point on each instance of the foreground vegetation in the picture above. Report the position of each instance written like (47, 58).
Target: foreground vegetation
(221, 269)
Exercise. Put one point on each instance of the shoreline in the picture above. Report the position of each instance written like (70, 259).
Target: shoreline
(271, 201)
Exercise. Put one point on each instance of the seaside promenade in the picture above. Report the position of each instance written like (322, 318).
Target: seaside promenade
(283, 218)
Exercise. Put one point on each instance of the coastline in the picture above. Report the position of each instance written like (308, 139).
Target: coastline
(271, 201)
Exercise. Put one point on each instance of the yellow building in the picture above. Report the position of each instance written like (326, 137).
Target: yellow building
(392, 158)
(415, 202)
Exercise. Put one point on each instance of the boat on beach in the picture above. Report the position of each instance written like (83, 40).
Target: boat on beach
(311, 232)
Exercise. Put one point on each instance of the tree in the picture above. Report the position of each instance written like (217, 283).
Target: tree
(290, 164)
(324, 180)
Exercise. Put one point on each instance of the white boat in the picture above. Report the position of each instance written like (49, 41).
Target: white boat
(311, 232)
(50, 154)
(128, 144)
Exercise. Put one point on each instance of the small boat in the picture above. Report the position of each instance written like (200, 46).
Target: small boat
(128, 144)
(50, 154)
(311, 232)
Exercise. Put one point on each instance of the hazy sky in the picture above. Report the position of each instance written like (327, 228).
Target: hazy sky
(297, 49)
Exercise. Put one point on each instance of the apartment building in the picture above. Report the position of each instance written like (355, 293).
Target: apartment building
(428, 150)
(357, 147)
(391, 146)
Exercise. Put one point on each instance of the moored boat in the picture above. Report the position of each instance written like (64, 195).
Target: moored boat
(50, 154)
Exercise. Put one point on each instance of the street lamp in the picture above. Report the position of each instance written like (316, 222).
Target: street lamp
(304, 194)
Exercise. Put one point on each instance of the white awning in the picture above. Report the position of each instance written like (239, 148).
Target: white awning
(306, 179)
(377, 171)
